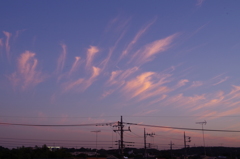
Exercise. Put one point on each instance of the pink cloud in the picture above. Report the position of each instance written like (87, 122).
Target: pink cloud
(147, 112)
(221, 81)
(90, 55)
(18, 32)
(72, 84)
(234, 90)
(200, 2)
(146, 53)
(95, 73)
(162, 97)
(185, 101)
(182, 83)
(218, 98)
(81, 84)
(61, 59)
(27, 75)
(119, 77)
(146, 85)
(1, 42)
(135, 39)
(75, 64)
(107, 93)
(196, 84)
(111, 50)
(8, 35)
(138, 85)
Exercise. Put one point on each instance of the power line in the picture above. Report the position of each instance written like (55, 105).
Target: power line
(169, 127)
(113, 123)
(61, 125)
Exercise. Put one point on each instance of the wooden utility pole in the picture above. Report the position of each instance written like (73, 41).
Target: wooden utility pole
(145, 144)
(185, 143)
(120, 128)
(171, 144)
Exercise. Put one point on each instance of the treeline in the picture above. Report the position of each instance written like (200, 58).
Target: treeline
(33, 153)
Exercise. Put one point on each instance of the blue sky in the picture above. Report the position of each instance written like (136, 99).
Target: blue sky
(153, 62)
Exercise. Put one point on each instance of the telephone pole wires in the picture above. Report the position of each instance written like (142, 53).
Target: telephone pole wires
(203, 123)
(145, 144)
(120, 127)
(97, 131)
(171, 144)
(186, 139)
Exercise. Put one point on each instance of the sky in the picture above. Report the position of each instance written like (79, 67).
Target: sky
(164, 63)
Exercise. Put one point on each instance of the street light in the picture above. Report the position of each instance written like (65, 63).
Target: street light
(97, 131)
(203, 134)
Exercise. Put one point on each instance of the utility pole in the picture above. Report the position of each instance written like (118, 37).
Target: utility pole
(203, 123)
(97, 131)
(171, 144)
(145, 144)
(120, 127)
(145, 147)
(185, 145)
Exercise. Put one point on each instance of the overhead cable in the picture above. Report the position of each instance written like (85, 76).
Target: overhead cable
(169, 127)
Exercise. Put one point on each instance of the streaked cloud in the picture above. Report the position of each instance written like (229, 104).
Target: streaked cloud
(72, 84)
(221, 81)
(7, 45)
(139, 85)
(18, 32)
(75, 65)
(95, 73)
(182, 83)
(107, 93)
(62, 58)
(146, 53)
(1, 42)
(81, 84)
(147, 112)
(111, 50)
(135, 39)
(186, 102)
(200, 2)
(90, 55)
(119, 76)
(146, 85)
(196, 84)
(27, 75)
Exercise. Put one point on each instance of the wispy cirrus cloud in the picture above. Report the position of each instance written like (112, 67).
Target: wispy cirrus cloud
(27, 74)
(111, 50)
(199, 3)
(182, 83)
(196, 84)
(186, 102)
(18, 32)
(90, 55)
(7, 45)
(72, 85)
(135, 39)
(215, 104)
(146, 85)
(120, 76)
(81, 84)
(62, 58)
(106, 93)
(221, 81)
(1, 42)
(139, 85)
(75, 65)
(147, 53)
(95, 73)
